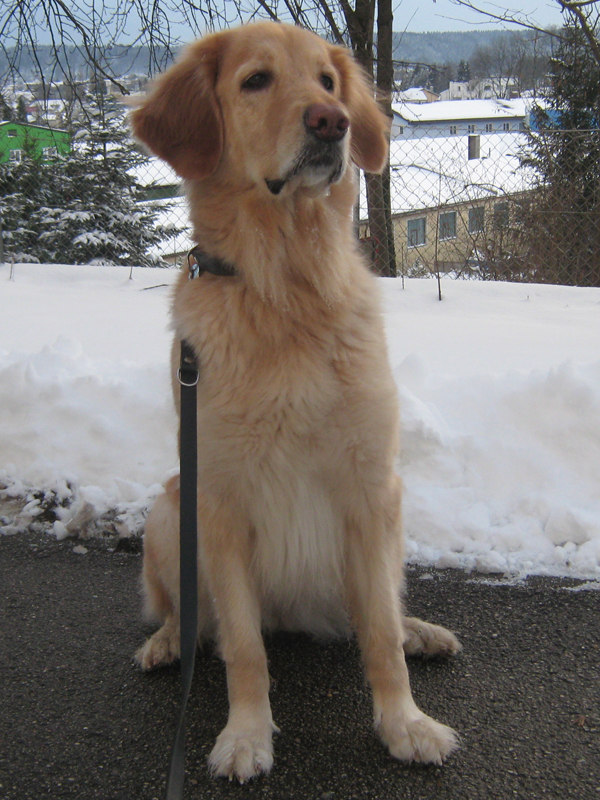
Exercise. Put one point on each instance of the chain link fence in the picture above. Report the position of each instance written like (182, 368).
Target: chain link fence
(514, 205)
(507, 205)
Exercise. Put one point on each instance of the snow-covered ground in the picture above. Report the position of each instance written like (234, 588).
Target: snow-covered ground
(500, 406)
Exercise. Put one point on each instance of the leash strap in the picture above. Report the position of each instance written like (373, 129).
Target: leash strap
(188, 557)
(198, 263)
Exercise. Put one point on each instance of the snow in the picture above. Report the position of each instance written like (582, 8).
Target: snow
(174, 214)
(499, 399)
(430, 173)
(413, 95)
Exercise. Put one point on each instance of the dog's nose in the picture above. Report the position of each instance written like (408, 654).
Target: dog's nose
(326, 122)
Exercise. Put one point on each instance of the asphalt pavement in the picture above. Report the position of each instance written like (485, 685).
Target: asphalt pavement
(78, 720)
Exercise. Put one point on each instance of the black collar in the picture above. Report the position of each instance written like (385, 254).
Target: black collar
(199, 262)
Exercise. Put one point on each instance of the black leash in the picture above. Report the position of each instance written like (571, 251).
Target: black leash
(188, 557)
(188, 375)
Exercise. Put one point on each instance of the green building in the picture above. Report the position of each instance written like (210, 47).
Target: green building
(43, 143)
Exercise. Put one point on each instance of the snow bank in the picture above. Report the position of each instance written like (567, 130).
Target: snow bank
(500, 405)
(87, 429)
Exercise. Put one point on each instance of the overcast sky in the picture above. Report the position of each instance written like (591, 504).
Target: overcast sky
(409, 15)
(445, 15)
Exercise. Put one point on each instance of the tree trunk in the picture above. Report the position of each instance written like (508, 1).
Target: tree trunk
(386, 262)
(360, 26)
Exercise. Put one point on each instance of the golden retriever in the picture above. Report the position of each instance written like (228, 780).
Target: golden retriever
(299, 504)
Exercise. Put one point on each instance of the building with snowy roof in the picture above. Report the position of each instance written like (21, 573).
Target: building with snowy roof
(452, 204)
(416, 94)
(43, 143)
(458, 117)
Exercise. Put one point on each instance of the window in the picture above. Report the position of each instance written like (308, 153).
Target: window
(11, 133)
(415, 232)
(470, 128)
(474, 146)
(453, 130)
(501, 218)
(476, 219)
(447, 225)
(16, 156)
(489, 127)
(506, 126)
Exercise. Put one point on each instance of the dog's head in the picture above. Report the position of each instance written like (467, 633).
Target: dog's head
(266, 104)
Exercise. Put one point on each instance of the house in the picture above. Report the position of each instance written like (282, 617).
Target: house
(484, 89)
(489, 88)
(448, 207)
(458, 117)
(457, 90)
(17, 138)
(416, 94)
(49, 113)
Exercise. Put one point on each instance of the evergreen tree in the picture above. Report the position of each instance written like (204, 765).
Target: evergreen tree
(565, 151)
(464, 72)
(21, 115)
(6, 112)
(85, 208)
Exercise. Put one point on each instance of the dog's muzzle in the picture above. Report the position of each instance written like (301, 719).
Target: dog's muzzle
(322, 159)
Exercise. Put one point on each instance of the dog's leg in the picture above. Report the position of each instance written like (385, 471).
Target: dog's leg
(425, 639)
(244, 747)
(409, 734)
(160, 579)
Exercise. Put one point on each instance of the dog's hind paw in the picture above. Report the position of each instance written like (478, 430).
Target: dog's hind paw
(424, 639)
(159, 650)
(241, 754)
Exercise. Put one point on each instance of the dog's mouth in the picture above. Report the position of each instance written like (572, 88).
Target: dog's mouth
(318, 165)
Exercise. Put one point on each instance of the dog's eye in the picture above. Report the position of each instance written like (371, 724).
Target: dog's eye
(257, 81)
(327, 82)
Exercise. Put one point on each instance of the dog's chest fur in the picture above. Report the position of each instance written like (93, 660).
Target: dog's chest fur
(271, 397)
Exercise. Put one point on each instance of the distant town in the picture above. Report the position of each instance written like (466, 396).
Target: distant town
(457, 179)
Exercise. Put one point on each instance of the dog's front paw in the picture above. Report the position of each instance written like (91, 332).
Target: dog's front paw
(242, 753)
(419, 738)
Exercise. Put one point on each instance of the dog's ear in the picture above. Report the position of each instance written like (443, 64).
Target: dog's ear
(369, 126)
(180, 119)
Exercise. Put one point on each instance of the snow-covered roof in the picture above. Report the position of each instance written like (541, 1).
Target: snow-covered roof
(429, 172)
(447, 110)
(32, 125)
(413, 95)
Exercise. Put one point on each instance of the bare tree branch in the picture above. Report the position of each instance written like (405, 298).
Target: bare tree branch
(272, 14)
(576, 10)
(573, 7)
(507, 16)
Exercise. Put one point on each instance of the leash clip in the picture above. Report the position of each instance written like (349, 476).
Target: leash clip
(188, 376)
(188, 372)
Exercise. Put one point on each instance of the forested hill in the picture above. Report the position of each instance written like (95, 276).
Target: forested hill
(119, 60)
(449, 47)
(427, 48)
